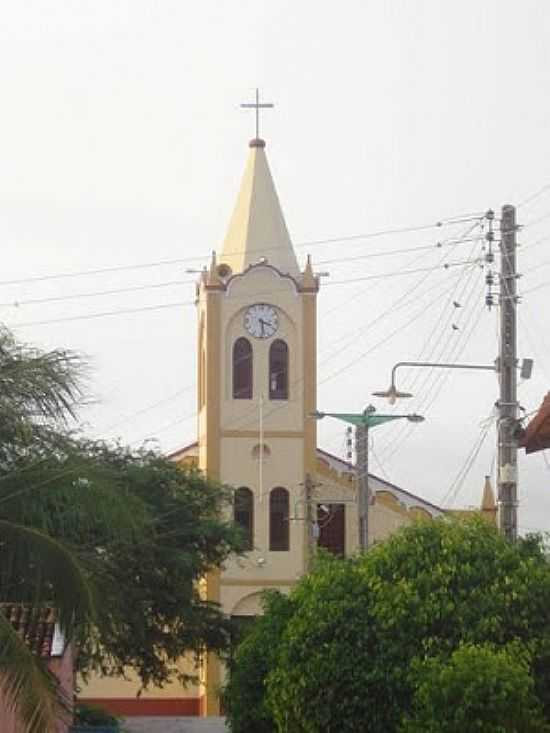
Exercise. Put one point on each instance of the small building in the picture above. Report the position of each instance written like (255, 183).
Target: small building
(44, 638)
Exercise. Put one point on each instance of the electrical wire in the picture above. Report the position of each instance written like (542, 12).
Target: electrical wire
(173, 283)
(383, 341)
(532, 197)
(146, 409)
(181, 260)
(104, 314)
(78, 296)
(455, 487)
(431, 392)
(141, 309)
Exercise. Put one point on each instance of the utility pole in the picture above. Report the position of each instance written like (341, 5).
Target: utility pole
(507, 404)
(362, 470)
(311, 520)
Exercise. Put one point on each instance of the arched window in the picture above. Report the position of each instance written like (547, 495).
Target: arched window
(278, 520)
(278, 370)
(242, 369)
(243, 514)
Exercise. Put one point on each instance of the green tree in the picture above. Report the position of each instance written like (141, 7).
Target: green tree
(151, 610)
(359, 624)
(36, 389)
(245, 696)
(82, 521)
(478, 688)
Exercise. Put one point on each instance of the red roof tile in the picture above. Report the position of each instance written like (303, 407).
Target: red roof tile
(36, 626)
(537, 434)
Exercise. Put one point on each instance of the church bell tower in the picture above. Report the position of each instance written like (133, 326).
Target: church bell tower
(256, 392)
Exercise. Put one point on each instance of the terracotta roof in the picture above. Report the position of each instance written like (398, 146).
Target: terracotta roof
(37, 627)
(537, 434)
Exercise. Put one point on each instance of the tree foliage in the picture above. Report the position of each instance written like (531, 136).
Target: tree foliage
(102, 533)
(245, 695)
(38, 391)
(151, 609)
(478, 688)
(360, 627)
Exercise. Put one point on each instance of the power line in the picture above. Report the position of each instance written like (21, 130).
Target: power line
(431, 392)
(529, 199)
(387, 338)
(104, 314)
(386, 253)
(172, 283)
(458, 482)
(182, 260)
(99, 293)
(141, 309)
(146, 409)
(537, 221)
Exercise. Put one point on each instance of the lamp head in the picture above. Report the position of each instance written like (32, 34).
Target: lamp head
(392, 394)
(415, 418)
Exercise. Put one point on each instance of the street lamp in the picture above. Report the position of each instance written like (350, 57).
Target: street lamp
(392, 393)
(363, 421)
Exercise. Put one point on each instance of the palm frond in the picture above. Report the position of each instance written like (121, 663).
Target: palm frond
(36, 384)
(29, 688)
(37, 569)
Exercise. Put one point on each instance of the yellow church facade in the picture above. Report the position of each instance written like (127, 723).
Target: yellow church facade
(257, 348)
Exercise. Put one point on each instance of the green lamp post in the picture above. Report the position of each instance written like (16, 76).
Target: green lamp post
(363, 422)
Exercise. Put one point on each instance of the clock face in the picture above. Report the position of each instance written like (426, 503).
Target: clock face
(261, 320)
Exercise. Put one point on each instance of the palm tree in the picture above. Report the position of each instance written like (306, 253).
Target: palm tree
(39, 392)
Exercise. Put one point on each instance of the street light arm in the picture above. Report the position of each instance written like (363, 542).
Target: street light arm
(393, 393)
(438, 365)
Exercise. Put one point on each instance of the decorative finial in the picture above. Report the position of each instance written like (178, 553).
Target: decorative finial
(212, 279)
(309, 281)
(257, 142)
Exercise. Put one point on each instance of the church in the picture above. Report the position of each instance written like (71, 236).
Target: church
(256, 393)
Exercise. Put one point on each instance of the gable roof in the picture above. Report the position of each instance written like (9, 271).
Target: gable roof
(348, 467)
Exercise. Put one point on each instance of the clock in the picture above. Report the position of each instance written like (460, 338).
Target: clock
(261, 320)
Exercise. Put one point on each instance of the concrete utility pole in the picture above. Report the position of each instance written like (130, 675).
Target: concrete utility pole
(507, 404)
(362, 472)
(311, 520)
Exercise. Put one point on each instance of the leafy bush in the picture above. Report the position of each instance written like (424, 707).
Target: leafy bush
(477, 689)
(344, 656)
(92, 715)
(244, 696)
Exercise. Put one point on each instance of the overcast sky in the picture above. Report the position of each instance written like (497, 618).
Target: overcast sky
(122, 144)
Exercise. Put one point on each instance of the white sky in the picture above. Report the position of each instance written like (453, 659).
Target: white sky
(122, 143)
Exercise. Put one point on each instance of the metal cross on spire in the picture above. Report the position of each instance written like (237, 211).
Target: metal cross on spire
(257, 105)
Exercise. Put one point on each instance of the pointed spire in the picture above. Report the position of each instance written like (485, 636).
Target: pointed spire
(257, 230)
